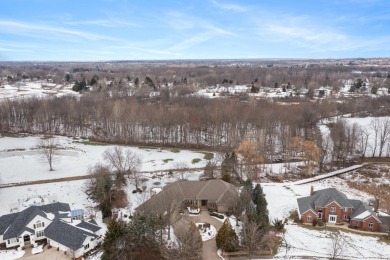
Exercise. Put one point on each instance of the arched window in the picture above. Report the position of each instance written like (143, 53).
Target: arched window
(39, 224)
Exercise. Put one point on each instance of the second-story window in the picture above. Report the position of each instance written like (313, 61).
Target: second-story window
(333, 209)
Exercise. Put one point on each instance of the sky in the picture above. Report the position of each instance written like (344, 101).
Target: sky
(98, 30)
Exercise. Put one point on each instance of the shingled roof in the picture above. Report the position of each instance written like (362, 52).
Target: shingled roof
(13, 225)
(322, 198)
(89, 226)
(67, 235)
(217, 191)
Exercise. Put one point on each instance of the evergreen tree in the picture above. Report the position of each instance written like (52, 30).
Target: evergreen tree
(259, 200)
(227, 239)
(115, 231)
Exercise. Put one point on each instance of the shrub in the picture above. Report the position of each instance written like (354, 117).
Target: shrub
(106, 211)
(278, 224)
(215, 214)
(315, 222)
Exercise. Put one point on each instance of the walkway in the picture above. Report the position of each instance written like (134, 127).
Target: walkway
(327, 175)
(345, 227)
(209, 251)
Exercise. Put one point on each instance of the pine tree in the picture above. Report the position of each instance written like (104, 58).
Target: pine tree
(115, 230)
(259, 200)
(227, 239)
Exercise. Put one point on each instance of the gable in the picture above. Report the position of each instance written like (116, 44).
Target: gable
(44, 221)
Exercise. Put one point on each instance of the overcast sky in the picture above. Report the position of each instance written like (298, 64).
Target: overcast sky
(200, 29)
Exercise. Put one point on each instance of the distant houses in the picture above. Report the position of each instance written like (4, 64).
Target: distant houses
(56, 223)
(332, 206)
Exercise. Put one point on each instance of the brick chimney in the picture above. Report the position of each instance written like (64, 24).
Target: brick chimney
(311, 190)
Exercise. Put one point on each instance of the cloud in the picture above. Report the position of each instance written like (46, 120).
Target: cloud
(229, 7)
(36, 30)
(103, 23)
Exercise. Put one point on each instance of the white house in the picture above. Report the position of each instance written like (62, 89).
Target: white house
(55, 222)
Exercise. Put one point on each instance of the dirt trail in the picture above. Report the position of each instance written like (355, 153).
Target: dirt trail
(83, 177)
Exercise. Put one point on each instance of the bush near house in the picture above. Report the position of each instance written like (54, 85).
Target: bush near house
(215, 214)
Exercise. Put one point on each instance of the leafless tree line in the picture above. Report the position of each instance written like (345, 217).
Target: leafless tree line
(191, 123)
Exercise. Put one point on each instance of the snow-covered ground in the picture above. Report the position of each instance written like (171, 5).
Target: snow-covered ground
(39, 89)
(11, 254)
(20, 161)
(282, 199)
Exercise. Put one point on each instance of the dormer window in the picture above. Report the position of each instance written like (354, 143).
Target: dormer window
(333, 209)
(39, 224)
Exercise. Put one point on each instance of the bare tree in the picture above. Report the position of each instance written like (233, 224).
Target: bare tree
(384, 134)
(48, 146)
(375, 126)
(336, 245)
(189, 242)
(251, 237)
(182, 168)
(170, 207)
(123, 162)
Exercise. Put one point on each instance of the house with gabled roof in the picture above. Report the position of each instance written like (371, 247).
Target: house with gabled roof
(332, 206)
(54, 222)
(216, 195)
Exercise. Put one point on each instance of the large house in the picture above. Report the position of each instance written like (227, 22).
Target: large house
(215, 195)
(332, 206)
(63, 228)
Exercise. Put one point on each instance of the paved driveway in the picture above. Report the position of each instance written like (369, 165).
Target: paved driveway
(47, 254)
(209, 250)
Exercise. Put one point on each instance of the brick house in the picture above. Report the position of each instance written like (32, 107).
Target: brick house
(332, 206)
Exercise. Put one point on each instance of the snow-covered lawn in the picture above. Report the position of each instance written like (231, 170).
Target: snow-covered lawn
(306, 242)
(10, 254)
(282, 199)
(20, 162)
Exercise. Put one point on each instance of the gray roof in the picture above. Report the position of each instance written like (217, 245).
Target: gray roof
(67, 235)
(16, 223)
(360, 207)
(326, 196)
(92, 221)
(218, 191)
(87, 225)
(18, 226)
(322, 198)
(5, 221)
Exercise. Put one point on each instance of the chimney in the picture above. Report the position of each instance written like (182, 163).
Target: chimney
(376, 204)
(311, 190)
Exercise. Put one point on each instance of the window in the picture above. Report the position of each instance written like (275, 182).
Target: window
(39, 234)
(333, 209)
(370, 225)
(86, 246)
(344, 217)
(309, 218)
(12, 241)
(345, 209)
(39, 224)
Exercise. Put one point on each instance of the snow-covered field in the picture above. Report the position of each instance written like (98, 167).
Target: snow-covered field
(301, 242)
(39, 89)
(21, 162)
